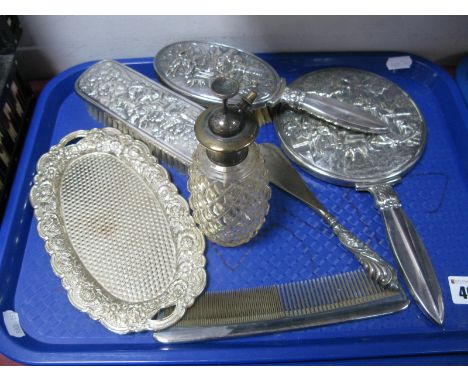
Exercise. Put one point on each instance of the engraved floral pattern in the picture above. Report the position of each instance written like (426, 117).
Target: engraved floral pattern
(192, 66)
(84, 293)
(374, 265)
(144, 106)
(385, 197)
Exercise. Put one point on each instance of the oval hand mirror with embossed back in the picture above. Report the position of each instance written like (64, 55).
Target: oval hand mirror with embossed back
(367, 162)
(189, 67)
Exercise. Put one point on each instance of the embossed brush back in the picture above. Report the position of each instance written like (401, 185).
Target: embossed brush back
(123, 98)
(190, 66)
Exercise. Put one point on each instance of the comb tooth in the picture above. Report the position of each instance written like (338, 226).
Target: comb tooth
(371, 286)
(332, 292)
(324, 287)
(292, 302)
(364, 285)
(307, 292)
(314, 297)
(298, 297)
(302, 297)
(292, 288)
(337, 290)
(281, 293)
(345, 297)
(288, 298)
(329, 291)
(316, 294)
(322, 298)
(348, 298)
(358, 290)
(291, 297)
(343, 289)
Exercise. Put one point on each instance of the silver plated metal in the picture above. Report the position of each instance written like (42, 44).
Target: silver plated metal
(131, 102)
(120, 237)
(309, 303)
(368, 162)
(189, 67)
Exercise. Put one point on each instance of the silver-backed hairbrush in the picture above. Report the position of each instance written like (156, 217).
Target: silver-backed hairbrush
(189, 67)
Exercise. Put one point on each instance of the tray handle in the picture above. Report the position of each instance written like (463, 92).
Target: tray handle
(76, 135)
(162, 323)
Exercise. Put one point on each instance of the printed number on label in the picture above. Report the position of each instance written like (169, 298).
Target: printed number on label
(462, 292)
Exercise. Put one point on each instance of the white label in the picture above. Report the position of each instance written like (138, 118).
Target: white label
(12, 323)
(400, 62)
(459, 289)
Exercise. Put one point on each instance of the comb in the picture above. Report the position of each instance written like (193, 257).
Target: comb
(298, 305)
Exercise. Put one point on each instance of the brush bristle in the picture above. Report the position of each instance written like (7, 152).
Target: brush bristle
(262, 116)
(158, 152)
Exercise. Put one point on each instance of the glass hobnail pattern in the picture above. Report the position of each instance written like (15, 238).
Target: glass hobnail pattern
(229, 203)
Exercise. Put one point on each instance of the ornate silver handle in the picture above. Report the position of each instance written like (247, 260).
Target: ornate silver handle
(334, 111)
(374, 265)
(410, 252)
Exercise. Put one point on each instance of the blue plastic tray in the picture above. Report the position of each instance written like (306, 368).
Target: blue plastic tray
(293, 244)
(462, 77)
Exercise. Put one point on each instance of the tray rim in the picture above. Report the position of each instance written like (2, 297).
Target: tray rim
(21, 351)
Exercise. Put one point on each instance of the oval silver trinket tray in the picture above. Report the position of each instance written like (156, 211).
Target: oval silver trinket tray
(119, 235)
